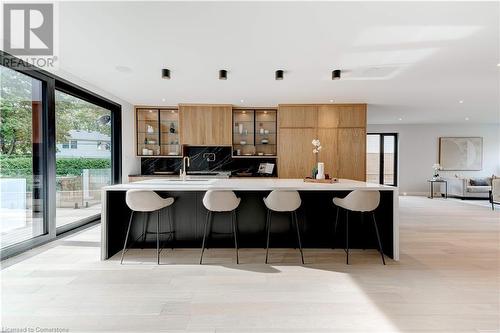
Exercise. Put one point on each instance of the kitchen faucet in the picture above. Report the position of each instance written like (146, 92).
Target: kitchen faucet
(183, 170)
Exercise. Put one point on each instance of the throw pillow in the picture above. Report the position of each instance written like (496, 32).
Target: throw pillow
(479, 182)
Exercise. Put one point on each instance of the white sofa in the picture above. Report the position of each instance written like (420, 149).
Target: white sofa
(463, 187)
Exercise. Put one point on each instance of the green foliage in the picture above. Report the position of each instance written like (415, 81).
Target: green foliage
(17, 113)
(21, 166)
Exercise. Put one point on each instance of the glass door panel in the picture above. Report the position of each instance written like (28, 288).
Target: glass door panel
(382, 158)
(21, 158)
(243, 132)
(265, 134)
(148, 132)
(83, 158)
(389, 160)
(373, 158)
(169, 129)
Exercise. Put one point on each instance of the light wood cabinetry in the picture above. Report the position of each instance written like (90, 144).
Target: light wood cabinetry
(205, 125)
(295, 152)
(297, 116)
(352, 153)
(341, 128)
(329, 152)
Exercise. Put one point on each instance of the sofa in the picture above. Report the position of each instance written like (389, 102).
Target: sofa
(468, 188)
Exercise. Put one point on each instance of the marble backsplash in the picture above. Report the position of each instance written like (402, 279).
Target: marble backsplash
(209, 159)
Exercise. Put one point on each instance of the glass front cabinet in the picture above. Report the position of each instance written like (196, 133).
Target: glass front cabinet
(254, 132)
(157, 132)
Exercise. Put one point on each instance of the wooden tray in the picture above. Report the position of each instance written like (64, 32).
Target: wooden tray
(322, 181)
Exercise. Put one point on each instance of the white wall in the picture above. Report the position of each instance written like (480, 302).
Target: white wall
(419, 150)
(130, 163)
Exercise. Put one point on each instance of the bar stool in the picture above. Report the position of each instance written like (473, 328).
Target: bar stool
(283, 201)
(147, 201)
(359, 201)
(219, 202)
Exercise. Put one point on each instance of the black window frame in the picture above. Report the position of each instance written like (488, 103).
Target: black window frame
(382, 157)
(51, 83)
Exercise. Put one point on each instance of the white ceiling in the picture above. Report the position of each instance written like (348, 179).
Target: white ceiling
(408, 61)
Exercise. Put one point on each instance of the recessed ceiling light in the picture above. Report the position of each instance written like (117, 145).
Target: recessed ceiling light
(163, 99)
(498, 65)
(461, 102)
(331, 101)
(400, 119)
(123, 69)
(173, 111)
(466, 118)
(242, 100)
(244, 112)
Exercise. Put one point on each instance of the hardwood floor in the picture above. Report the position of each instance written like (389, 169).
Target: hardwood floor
(447, 280)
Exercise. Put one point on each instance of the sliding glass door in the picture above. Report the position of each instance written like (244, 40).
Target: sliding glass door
(22, 200)
(83, 159)
(59, 145)
(382, 158)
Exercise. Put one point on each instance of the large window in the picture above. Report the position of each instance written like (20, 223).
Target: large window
(382, 158)
(21, 158)
(59, 145)
(83, 158)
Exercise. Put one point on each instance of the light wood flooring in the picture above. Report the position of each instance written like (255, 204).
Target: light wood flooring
(447, 280)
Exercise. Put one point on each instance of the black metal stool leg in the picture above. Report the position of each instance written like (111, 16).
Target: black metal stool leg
(267, 225)
(294, 217)
(347, 236)
(235, 231)
(378, 238)
(335, 226)
(171, 223)
(269, 213)
(205, 235)
(126, 237)
(158, 237)
(145, 231)
(362, 227)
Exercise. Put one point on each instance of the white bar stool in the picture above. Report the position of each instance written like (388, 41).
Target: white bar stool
(359, 201)
(146, 201)
(219, 202)
(283, 201)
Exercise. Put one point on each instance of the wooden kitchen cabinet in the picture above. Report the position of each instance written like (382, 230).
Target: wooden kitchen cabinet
(296, 158)
(329, 151)
(297, 116)
(352, 115)
(352, 153)
(205, 125)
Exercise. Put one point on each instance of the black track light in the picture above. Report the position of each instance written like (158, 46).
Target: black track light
(279, 74)
(336, 74)
(222, 74)
(165, 73)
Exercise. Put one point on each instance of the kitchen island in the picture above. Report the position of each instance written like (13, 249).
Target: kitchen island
(316, 214)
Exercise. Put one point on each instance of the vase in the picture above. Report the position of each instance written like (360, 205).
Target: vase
(321, 171)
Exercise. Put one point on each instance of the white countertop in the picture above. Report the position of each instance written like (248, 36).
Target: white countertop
(245, 184)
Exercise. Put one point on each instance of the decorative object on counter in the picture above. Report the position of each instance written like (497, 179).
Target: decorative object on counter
(317, 148)
(145, 151)
(436, 167)
(321, 171)
(172, 127)
(238, 152)
(323, 181)
(266, 168)
(150, 129)
(240, 128)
